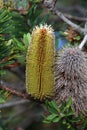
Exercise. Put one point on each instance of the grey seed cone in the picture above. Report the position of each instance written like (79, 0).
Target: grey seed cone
(71, 78)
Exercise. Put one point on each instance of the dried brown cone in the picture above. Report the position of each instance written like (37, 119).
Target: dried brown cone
(71, 79)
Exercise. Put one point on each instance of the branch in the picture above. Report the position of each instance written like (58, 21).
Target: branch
(75, 17)
(85, 37)
(51, 7)
(14, 92)
(76, 8)
(19, 94)
(12, 104)
(83, 42)
(73, 25)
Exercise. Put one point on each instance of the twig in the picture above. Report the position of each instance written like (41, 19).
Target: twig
(76, 8)
(14, 92)
(75, 17)
(85, 37)
(19, 94)
(52, 8)
(75, 26)
(83, 42)
(11, 104)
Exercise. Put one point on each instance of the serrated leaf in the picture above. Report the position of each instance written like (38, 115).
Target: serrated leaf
(51, 108)
(55, 105)
(51, 117)
(55, 120)
(47, 122)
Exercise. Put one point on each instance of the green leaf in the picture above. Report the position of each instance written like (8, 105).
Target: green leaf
(18, 44)
(26, 38)
(66, 105)
(51, 117)
(50, 107)
(2, 100)
(77, 38)
(85, 122)
(69, 103)
(62, 33)
(52, 110)
(64, 122)
(55, 120)
(69, 126)
(46, 121)
(77, 119)
(55, 105)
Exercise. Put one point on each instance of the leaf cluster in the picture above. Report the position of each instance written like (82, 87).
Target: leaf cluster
(15, 29)
(64, 115)
(5, 35)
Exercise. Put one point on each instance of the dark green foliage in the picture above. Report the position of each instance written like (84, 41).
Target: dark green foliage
(20, 47)
(3, 96)
(34, 16)
(64, 115)
(5, 24)
(19, 24)
(24, 23)
(13, 26)
(5, 35)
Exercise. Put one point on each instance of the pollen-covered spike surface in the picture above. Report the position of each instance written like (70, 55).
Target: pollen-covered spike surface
(71, 78)
(39, 63)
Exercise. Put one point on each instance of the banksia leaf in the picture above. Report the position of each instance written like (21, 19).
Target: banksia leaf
(71, 78)
(40, 60)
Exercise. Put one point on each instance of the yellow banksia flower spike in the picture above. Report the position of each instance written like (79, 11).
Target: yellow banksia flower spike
(39, 63)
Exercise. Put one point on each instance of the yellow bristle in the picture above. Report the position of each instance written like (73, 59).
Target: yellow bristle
(40, 60)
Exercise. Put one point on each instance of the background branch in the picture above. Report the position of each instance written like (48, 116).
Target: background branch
(82, 19)
(73, 25)
(76, 8)
(19, 94)
(12, 104)
(85, 37)
(52, 8)
(83, 42)
(14, 92)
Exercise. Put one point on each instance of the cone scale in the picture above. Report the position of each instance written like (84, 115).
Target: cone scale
(39, 63)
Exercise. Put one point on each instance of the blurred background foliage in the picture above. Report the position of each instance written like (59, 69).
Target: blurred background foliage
(17, 20)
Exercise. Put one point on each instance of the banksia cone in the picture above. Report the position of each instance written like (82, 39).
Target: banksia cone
(71, 78)
(40, 60)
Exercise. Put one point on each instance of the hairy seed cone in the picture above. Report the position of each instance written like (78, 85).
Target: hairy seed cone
(71, 78)
(40, 60)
